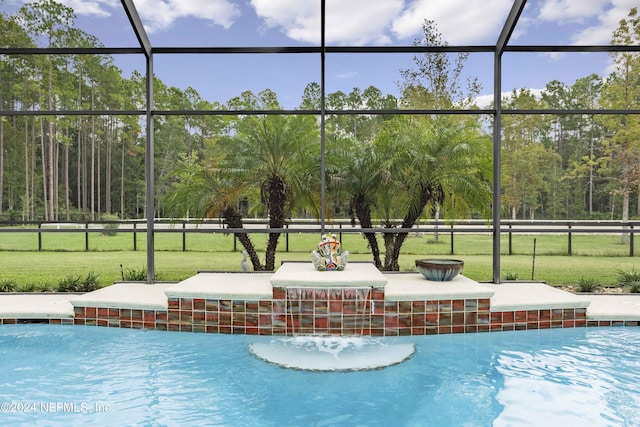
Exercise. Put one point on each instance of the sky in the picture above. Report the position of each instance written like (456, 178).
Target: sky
(348, 23)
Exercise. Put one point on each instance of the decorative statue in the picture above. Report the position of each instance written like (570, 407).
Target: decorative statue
(244, 265)
(329, 255)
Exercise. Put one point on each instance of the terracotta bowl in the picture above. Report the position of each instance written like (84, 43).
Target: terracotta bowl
(439, 270)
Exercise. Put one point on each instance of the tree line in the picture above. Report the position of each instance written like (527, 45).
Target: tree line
(379, 167)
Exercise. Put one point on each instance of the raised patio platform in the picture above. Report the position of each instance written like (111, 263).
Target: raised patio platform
(224, 286)
(298, 299)
(414, 287)
(304, 275)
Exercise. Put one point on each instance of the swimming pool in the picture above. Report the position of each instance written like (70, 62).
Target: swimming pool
(66, 375)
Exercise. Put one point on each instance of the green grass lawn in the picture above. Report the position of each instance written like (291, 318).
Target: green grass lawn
(599, 257)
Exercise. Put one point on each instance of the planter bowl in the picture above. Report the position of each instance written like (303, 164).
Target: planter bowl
(439, 270)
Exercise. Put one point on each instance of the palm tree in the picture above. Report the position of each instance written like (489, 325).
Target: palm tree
(266, 159)
(442, 163)
(271, 154)
(357, 169)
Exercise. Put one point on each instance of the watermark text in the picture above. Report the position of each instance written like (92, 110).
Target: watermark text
(54, 407)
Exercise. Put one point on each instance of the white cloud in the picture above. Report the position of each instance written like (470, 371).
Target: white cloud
(569, 10)
(299, 20)
(159, 15)
(486, 101)
(608, 21)
(360, 21)
(98, 8)
(602, 15)
(460, 21)
(347, 22)
(364, 22)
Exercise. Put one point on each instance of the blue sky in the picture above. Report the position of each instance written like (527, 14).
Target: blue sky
(349, 23)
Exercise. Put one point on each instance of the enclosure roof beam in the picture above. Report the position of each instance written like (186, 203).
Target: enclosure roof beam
(137, 26)
(509, 25)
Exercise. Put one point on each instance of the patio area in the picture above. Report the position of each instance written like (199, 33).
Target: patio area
(251, 303)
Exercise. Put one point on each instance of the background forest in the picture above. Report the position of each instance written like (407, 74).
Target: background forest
(64, 167)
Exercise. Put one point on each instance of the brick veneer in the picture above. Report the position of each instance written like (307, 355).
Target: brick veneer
(121, 317)
(335, 311)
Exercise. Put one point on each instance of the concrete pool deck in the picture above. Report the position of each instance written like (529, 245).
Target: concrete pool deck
(507, 296)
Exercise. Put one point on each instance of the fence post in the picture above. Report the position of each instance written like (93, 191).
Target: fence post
(570, 246)
(235, 243)
(631, 245)
(510, 241)
(184, 236)
(135, 239)
(86, 236)
(39, 236)
(452, 251)
(286, 237)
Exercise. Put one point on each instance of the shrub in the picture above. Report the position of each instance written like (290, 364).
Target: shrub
(91, 282)
(73, 283)
(44, 287)
(29, 287)
(628, 277)
(510, 276)
(587, 284)
(7, 285)
(69, 284)
(135, 274)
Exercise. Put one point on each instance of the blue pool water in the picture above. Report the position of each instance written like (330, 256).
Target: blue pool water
(66, 375)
